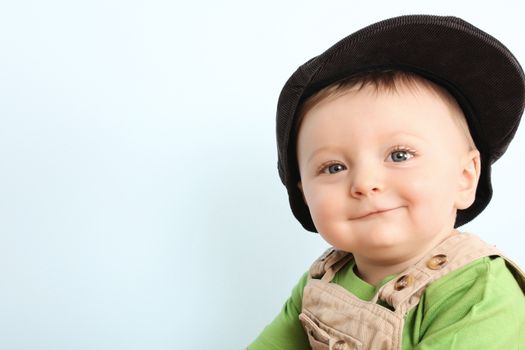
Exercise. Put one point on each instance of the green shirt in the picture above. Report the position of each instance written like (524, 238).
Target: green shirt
(479, 306)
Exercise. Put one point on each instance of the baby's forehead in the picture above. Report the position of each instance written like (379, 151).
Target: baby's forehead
(407, 103)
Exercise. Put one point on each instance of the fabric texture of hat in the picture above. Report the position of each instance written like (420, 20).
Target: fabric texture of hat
(478, 70)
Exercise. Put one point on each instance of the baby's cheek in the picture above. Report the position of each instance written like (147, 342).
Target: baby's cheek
(431, 200)
(423, 182)
(324, 209)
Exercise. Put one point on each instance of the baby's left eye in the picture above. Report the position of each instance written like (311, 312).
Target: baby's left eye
(400, 155)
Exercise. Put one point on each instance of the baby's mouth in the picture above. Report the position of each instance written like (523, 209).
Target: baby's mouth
(374, 213)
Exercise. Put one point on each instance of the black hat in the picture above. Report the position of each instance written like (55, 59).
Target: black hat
(478, 70)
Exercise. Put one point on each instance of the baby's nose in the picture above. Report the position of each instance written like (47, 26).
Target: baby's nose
(360, 191)
(365, 183)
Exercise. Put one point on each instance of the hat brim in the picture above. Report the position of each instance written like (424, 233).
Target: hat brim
(479, 71)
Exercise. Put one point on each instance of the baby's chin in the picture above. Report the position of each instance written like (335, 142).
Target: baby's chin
(384, 236)
(380, 240)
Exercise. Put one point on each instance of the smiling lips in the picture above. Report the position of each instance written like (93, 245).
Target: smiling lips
(373, 213)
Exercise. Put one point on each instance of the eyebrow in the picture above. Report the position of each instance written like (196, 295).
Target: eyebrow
(320, 150)
(337, 148)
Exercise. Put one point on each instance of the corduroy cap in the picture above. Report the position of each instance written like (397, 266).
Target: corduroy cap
(478, 70)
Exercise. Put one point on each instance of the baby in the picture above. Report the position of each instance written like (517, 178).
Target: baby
(385, 146)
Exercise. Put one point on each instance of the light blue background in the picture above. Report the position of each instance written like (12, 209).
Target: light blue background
(140, 206)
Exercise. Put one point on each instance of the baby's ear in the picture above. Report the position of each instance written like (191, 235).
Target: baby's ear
(471, 170)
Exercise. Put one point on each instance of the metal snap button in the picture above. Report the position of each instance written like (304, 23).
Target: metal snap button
(437, 262)
(403, 282)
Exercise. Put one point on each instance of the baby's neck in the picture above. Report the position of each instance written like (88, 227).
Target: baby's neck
(373, 271)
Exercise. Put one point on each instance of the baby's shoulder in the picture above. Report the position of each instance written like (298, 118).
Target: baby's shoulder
(485, 280)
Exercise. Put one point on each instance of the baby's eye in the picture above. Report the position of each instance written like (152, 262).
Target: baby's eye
(333, 168)
(401, 155)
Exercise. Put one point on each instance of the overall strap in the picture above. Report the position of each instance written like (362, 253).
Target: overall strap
(327, 265)
(404, 292)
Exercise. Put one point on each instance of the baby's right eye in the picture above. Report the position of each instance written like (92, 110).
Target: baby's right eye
(333, 168)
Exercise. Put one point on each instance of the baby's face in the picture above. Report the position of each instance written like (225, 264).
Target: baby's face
(383, 172)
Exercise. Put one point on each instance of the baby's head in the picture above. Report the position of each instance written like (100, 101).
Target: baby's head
(385, 161)
(436, 130)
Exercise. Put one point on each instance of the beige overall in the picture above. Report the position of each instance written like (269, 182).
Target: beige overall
(335, 319)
